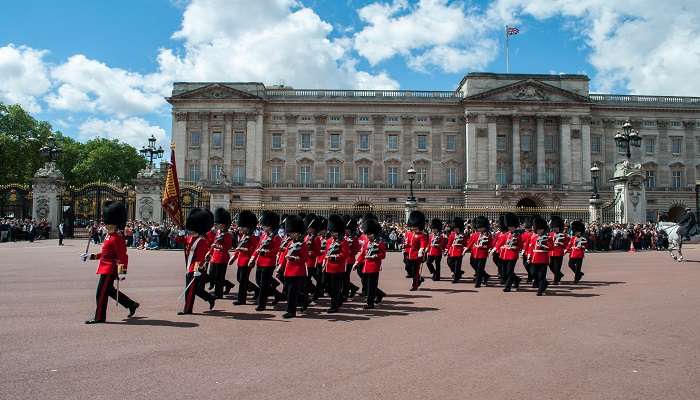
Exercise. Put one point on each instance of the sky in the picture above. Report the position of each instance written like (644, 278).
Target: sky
(103, 68)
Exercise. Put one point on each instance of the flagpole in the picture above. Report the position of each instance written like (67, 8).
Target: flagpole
(507, 55)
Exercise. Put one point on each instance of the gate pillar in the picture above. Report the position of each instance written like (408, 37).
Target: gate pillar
(47, 187)
(148, 186)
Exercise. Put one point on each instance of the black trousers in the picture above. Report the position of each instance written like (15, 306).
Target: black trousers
(60, 240)
(511, 278)
(540, 274)
(455, 264)
(530, 273)
(414, 271)
(373, 290)
(266, 283)
(195, 289)
(576, 264)
(479, 265)
(243, 277)
(433, 264)
(105, 290)
(317, 274)
(406, 265)
(555, 266)
(335, 285)
(295, 291)
(499, 265)
(347, 283)
(363, 279)
(218, 277)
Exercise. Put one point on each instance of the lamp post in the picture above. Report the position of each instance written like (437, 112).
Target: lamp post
(628, 137)
(151, 151)
(411, 177)
(595, 173)
(50, 150)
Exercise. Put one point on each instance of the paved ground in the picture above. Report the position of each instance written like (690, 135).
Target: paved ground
(629, 331)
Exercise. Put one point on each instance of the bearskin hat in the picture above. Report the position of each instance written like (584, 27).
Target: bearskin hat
(114, 213)
(539, 223)
(294, 224)
(502, 223)
(247, 219)
(199, 220)
(371, 226)
(270, 218)
(556, 222)
(458, 223)
(322, 224)
(578, 226)
(222, 216)
(480, 222)
(436, 223)
(336, 223)
(511, 220)
(350, 223)
(416, 219)
(369, 216)
(311, 221)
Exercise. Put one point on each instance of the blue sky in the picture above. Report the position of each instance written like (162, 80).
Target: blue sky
(99, 68)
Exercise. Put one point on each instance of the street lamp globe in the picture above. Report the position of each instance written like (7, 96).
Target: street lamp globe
(595, 171)
(152, 141)
(411, 173)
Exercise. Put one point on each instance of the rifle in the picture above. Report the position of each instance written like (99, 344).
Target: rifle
(241, 244)
(332, 252)
(262, 248)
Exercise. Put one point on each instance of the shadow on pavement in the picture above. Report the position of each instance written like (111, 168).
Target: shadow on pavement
(448, 291)
(154, 322)
(250, 316)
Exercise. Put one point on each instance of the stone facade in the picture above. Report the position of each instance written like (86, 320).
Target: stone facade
(499, 139)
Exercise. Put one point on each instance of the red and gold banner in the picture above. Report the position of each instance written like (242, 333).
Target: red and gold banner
(171, 192)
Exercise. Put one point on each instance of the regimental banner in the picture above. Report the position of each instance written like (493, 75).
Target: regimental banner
(171, 192)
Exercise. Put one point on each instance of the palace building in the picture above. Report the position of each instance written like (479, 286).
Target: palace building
(498, 139)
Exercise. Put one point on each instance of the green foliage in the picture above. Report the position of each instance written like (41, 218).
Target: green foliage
(21, 137)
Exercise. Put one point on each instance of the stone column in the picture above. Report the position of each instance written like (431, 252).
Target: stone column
(148, 186)
(228, 143)
(47, 187)
(586, 148)
(540, 150)
(179, 137)
(594, 210)
(565, 151)
(516, 150)
(628, 182)
(259, 142)
(471, 119)
(219, 200)
(254, 149)
(492, 157)
(204, 147)
(409, 205)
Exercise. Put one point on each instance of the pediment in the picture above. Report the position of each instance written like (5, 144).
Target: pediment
(529, 90)
(215, 91)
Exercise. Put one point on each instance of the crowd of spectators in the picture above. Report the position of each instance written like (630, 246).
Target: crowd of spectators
(14, 229)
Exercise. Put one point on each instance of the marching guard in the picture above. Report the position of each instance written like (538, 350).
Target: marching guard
(247, 243)
(499, 239)
(456, 247)
(264, 258)
(510, 250)
(370, 260)
(417, 247)
(294, 264)
(335, 260)
(113, 263)
(349, 288)
(526, 235)
(577, 249)
(219, 253)
(313, 246)
(438, 241)
(559, 243)
(538, 254)
(199, 222)
(479, 245)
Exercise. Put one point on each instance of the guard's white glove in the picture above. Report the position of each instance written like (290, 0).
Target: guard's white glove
(181, 232)
(84, 257)
(197, 272)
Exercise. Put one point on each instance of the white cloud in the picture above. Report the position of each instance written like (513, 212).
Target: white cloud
(431, 33)
(645, 46)
(133, 130)
(23, 76)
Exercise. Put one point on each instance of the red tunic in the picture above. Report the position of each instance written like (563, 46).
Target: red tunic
(113, 253)
(576, 247)
(223, 241)
(406, 240)
(419, 241)
(479, 250)
(200, 252)
(539, 253)
(455, 244)
(371, 256)
(321, 250)
(336, 255)
(246, 246)
(267, 250)
(296, 254)
(512, 246)
(313, 246)
(354, 246)
(559, 242)
(499, 241)
(525, 237)
(437, 244)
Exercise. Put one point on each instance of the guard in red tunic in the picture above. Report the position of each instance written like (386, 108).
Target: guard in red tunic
(538, 253)
(264, 259)
(322, 286)
(313, 245)
(370, 259)
(219, 253)
(456, 247)
(499, 239)
(417, 247)
(362, 240)
(479, 245)
(351, 237)
(199, 222)
(526, 243)
(247, 243)
(407, 236)
(510, 250)
(559, 242)
(113, 262)
(337, 252)
(577, 249)
(438, 241)
(295, 270)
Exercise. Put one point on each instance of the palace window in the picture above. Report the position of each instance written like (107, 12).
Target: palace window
(550, 175)
(278, 117)
(276, 141)
(276, 174)
(334, 141)
(676, 179)
(216, 139)
(649, 124)
(596, 144)
(621, 148)
(334, 175)
(216, 172)
(392, 119)
(334, 118)
(305, 174)
(525, 144)
(363, 118)
(392, 142)
(194, 171)
(422, 142)
(451, 142)
(501, 176)
(451, 120)
(676, 145)
(363, 176)
(195, 138)
(676, 124)
(549, 144)
(306, 118)
(527, 176)
(650, 145)
(392, 178)
(421, 119)
(452, 176)
(650, 181)
(305, 140)
(239, 174)
(500, 143)
(239, 140)
(422, 174)
(363, 141)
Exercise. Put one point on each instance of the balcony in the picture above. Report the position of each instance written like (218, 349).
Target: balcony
(392, 95)
(360, 186)
(620, 99)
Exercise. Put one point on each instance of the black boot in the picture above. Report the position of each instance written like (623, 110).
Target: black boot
(132, 309)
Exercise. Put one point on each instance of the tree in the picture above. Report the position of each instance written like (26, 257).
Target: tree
(21, 137)
(107, 161)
